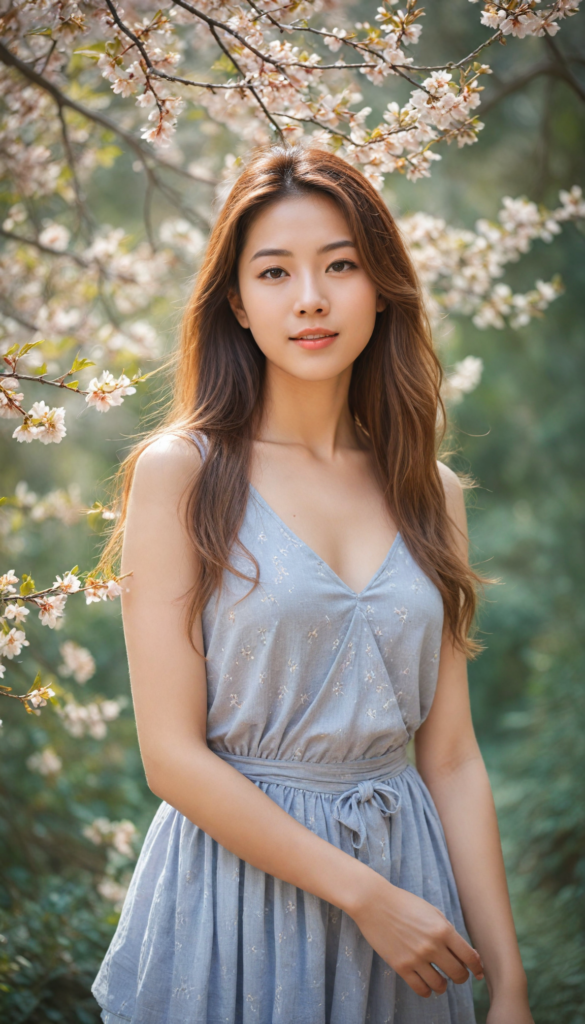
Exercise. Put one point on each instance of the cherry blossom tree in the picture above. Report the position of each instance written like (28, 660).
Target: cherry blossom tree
(85, 82)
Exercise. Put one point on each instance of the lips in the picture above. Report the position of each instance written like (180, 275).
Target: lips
(314, 337)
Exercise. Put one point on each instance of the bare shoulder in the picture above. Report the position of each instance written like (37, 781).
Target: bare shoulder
(164, 471)
(451, 483)
(454, 497)
(167, 463)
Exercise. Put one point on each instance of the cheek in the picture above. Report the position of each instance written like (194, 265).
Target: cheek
(268, 311)
(356, 299)
(264, 306)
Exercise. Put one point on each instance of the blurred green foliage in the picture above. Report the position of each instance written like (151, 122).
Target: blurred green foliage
(521, 436)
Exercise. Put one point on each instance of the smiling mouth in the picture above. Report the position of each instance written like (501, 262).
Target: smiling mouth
(317, 337)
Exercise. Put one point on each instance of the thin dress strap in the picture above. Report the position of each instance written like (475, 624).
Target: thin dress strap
(202, 442)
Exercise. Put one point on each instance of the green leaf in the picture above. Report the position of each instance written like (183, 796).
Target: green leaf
(2, 687)
(74, 570)
(106, 156)
(26, 348)
(40, 32)
(223, 63)
(36, 683)
(80, 364)
(27, 586)
(113, 47)
(12, 350)
(93, 54)
(72, 384)
(39, 370)
(3, 500)
(93, 48)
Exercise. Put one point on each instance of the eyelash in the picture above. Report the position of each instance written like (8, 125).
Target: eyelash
(265, 273)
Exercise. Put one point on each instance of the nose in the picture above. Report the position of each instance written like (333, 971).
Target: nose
(310, 301)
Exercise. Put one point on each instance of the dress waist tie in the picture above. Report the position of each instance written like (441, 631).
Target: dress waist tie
(364, 798)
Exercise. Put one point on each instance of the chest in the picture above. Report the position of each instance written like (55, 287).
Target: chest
(349, 531)
(299, 590)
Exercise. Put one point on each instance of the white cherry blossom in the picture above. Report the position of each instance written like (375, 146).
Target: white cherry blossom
(38, 698)
(7, 582)
(77, 662)
(45, 762)
(69, 583)
(10, 398)
(51, 608)
(11, 643)
(16, 613)
(119, 834)
(89, 719)
(107, 391)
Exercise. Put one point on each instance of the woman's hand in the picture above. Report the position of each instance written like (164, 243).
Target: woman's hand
(411, 935)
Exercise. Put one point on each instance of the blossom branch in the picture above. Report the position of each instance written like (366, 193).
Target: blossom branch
(51, 606)
(46, 424)
(253, 91)
(146, 156)
(362, 47)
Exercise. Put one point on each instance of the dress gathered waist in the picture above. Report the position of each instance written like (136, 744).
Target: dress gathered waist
(364, 797)
(319, 777)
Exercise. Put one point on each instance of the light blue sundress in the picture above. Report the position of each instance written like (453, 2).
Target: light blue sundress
(313, 692)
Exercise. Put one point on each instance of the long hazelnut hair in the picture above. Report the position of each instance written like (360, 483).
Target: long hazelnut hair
(394, 393)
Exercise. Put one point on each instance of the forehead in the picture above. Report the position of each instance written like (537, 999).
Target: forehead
(304, 221)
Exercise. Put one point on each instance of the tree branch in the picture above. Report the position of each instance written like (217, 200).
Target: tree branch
(554, 70)
(10, 59)
(562, 68)
(66, 254)
(507, 88)
(82, 210)
(264, 109)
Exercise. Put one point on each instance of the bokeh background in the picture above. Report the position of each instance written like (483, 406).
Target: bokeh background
(520, 434)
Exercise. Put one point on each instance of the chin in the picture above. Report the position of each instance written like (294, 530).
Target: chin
(314, 366)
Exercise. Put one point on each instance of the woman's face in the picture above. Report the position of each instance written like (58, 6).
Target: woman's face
(303, 292)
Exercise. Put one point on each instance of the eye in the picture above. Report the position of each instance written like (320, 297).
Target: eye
(340, 265)
(273, 273)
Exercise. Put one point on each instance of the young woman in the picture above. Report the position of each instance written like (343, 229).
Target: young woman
(299, 608)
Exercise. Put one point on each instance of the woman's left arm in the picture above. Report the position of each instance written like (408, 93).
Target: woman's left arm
(451, 765)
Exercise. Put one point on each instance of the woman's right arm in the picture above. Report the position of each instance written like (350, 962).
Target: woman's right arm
(169, 691)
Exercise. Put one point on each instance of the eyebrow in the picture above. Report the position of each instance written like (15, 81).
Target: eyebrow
(286, 252)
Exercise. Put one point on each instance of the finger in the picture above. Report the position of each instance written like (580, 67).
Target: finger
(466, 954)
(416, 983)
(451, 966)
(433, 979)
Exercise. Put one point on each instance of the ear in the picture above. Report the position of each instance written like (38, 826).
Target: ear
(381, 304)
(238, 310)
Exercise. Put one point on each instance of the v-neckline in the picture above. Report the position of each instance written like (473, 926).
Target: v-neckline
(357, 594)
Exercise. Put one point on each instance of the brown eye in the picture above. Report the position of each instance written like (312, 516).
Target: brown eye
(273, 273)
(340, 265)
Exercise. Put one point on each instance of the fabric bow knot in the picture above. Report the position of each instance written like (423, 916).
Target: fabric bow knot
(348, 811)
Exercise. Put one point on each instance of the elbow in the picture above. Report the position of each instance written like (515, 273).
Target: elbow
(153, 783)
(155, 775)
(166, 770)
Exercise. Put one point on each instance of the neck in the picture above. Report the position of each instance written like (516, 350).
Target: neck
(311, 413)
